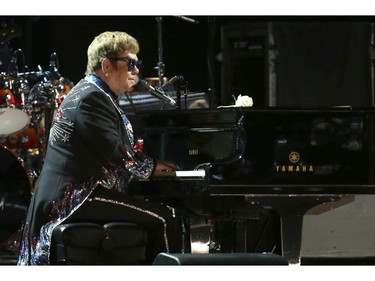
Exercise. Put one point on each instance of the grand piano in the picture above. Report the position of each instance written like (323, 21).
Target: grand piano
(291, 161)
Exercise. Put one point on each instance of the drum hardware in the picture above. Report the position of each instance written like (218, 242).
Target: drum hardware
(54, 67)
(21, 90)
(15, 65)
(43, 98)
(42, 101)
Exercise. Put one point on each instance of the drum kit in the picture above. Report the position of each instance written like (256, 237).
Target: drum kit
(28, 102)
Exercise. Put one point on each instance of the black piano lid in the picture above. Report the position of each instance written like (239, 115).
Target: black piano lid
(267, 146)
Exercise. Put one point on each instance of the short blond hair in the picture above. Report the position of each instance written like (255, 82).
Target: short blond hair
(107, 44)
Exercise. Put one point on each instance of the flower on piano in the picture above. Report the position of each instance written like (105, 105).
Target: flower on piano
(244, 101)
(241, 101)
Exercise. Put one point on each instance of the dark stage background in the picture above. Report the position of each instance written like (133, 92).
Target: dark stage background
(279, 61)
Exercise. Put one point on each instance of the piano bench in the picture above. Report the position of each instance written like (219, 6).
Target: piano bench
(84, 243)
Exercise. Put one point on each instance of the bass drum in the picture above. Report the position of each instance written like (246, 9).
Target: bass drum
(15, 194)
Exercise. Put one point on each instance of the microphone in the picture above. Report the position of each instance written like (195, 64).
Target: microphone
(54, 66)
(144, 85)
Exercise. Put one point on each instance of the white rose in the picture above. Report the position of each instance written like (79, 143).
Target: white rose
(243, 101)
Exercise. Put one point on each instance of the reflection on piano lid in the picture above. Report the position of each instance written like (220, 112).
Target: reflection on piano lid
(192, 137)
(143, 101)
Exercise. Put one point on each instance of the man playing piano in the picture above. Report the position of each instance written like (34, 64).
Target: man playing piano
(91, 158)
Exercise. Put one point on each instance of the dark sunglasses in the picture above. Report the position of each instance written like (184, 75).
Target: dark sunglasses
(131, 62)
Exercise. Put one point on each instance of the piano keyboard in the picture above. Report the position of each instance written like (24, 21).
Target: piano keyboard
(191, 174)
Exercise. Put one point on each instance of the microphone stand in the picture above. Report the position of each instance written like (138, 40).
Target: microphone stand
(178, 98)
(179, 86)
(161, 65)
(372, 58)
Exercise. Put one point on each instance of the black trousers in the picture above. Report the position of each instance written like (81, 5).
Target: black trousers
(161, 222)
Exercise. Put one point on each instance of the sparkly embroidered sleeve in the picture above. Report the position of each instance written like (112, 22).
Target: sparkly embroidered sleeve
(136, 162)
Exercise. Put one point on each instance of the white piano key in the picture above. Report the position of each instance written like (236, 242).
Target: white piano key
(191, 173)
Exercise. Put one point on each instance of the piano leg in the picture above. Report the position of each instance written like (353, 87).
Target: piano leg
(291, 209)
(186, 241)
(246, 234)
(291, 237)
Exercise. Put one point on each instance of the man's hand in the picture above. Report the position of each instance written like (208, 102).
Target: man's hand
(164, 169)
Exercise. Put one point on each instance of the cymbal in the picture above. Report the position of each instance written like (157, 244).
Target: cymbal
(12, 120)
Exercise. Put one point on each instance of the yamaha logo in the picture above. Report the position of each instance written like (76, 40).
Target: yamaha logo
(294, 157)
(294, 166)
